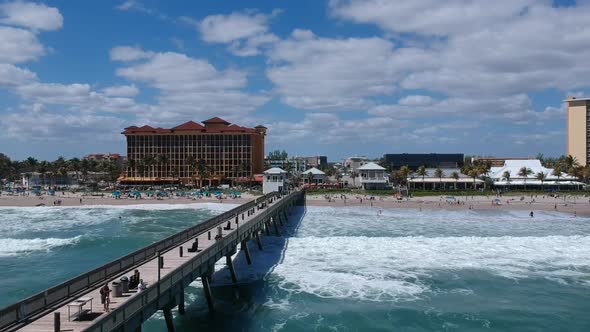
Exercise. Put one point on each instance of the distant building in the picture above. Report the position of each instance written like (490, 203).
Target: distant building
(497, 161)
(578, 129)
(373, 176)
(275, 179)
(513, 167)
(446, 181)
(313, 176)
(430, 160)
(352, 164)
(117, 158)
(215, 151)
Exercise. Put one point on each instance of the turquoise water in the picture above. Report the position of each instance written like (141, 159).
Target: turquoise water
(338, 269)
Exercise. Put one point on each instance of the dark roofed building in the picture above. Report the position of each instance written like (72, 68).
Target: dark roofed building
(431, 160)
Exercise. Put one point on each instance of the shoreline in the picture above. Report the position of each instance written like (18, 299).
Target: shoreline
(579, 206)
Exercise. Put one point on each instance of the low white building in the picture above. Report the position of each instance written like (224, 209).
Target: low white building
(275, 179)
(513, 168)
(373, 176)
(313, 176)
(447, 180)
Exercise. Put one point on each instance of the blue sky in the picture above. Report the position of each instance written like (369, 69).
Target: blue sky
(337, 77)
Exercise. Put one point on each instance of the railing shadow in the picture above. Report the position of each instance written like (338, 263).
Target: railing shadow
(237, 305)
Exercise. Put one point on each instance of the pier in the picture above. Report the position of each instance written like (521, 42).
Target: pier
(167, 267)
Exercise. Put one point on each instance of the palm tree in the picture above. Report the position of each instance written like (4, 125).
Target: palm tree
(148, 161)
(405, 172)
(203, 171)
(474, 172)
(162, 159)
(439, 174)
(132, 167)
(455, 175)
(506, 175)
(309, 177)
(541, 176)
(557, 172)
(421, 171)
(525, 172)
(570, 162)
(354, 175)
(32, 163)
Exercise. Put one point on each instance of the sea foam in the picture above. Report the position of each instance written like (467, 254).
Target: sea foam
(389, 269)
(13, 247)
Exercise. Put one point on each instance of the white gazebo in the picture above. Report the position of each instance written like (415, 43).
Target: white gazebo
(313, 176)
(275, 179)
(373, 176)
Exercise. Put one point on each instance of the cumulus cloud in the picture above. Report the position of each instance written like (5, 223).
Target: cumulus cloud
(192, 87)
(329, 74)
(19, 45)
(11, 76)
(129, 53)
(245, 32)
(121, 91)
(30, 15)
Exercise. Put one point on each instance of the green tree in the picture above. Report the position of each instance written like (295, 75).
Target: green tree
(455, 175)
(421, 171)
(506, 176)
(541, 176)
(439, 174)
(557, 171)
(525, 172)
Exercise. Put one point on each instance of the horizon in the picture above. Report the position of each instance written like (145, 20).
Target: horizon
(337, 78)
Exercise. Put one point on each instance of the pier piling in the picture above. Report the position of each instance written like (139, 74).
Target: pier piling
(258, 242)
(168, 317)
(232, 270)
(247, 252)
(207, 290)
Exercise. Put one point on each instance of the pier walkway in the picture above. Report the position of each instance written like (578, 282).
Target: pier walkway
(217, 237)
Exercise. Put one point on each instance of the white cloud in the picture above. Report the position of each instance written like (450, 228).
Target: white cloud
(416, 100)
(121, 91)
(30, 15)
(58, 127)
(190, 87)
(430, 17)
(327, 74)
(13, 76)
(245, 32)
(129, 53)
(486, 48)
(328, 128)
(19, 45)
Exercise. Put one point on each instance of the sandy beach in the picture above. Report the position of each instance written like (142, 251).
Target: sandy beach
(577, 205)
(73, 199)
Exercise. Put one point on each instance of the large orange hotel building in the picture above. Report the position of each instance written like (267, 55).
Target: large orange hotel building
(215, 152)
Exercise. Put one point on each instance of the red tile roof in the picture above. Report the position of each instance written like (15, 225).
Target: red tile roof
(189, 125)
(215, 120)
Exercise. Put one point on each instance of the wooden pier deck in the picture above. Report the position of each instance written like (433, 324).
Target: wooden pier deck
(148, 269)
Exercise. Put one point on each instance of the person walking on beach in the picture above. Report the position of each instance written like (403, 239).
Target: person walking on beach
(105, 297)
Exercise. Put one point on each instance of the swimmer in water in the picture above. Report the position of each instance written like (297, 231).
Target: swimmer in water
(532, 214)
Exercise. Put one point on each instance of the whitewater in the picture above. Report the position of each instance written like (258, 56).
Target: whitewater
(344, 269)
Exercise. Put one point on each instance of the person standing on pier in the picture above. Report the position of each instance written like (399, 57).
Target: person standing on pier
(105, 297)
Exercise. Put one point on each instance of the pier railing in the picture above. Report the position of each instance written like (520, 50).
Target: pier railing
(126, 311)
(25, 309)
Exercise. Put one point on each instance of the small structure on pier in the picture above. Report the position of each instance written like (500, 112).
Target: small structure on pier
(275, 179)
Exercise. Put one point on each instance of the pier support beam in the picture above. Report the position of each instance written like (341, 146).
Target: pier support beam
(137, 329)
(232, 270)
(274, 221)
(266, 227)
(258, 242)
(168, 317)
(247, 252)
(181, 302)
(207, 290)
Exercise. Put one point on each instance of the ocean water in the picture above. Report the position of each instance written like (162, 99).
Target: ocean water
(337, 269)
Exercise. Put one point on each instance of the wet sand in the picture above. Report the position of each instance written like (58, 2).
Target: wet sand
(577, 205)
